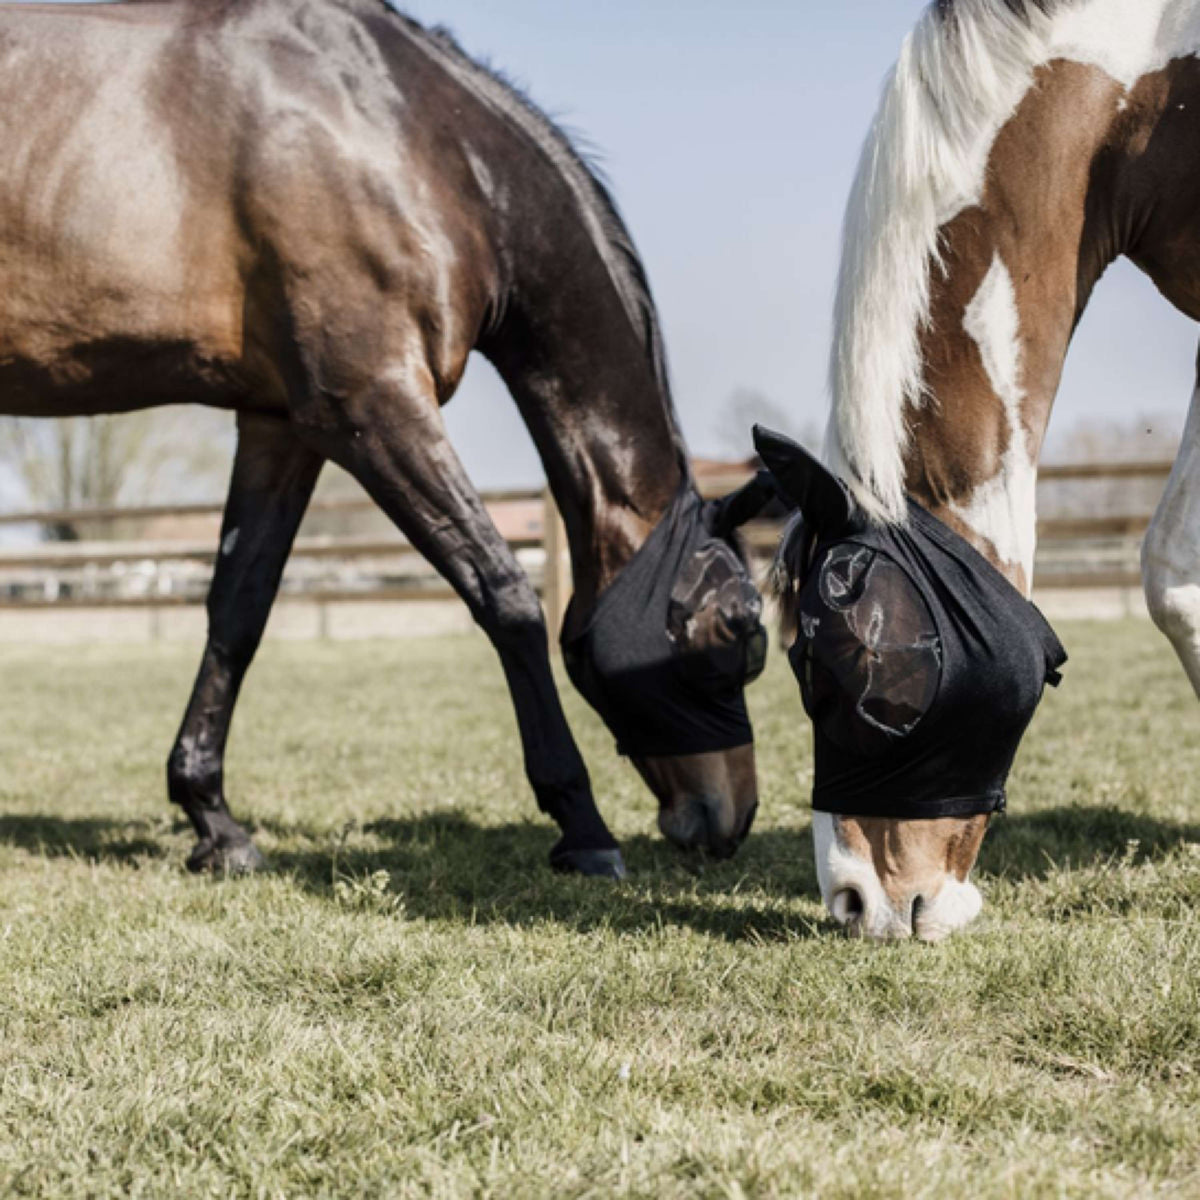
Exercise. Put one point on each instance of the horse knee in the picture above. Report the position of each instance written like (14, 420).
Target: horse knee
(1172, 588)
(233, 636)
(512, 617)
(1173, 598)
(1175, 609)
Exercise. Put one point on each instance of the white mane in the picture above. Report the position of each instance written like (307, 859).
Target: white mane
(962, 73)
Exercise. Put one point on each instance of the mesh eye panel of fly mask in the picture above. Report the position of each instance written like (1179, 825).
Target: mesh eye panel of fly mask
(919, 663)
(670, 645)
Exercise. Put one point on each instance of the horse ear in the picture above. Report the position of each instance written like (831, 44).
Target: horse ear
(806, 484)
(748, 502)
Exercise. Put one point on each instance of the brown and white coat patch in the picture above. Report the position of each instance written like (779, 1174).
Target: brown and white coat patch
(1019, 149)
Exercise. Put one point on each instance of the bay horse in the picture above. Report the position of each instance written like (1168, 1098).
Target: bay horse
(1020, 147)
(311, 212)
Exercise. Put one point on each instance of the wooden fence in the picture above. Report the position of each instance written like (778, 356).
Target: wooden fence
(164, 572)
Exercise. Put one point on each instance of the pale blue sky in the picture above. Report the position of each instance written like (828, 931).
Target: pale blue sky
(730, 134)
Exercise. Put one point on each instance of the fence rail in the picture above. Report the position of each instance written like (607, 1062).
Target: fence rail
(1077, 552)
(1056, 472)
(77, 554)
(212, 508)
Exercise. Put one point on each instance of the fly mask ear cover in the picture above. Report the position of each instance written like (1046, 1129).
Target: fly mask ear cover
(674, 639)
(919, 663)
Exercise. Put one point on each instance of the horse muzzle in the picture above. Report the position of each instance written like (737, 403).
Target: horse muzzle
(884, 883)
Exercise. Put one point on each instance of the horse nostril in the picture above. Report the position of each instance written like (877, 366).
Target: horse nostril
(918, 905)
(847, 906)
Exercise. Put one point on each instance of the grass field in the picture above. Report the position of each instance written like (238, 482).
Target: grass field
(411, 1004)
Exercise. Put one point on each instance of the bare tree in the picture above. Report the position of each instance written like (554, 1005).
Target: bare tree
(747, 407)
(98, 462)
(1145, 437)
(1150, 437)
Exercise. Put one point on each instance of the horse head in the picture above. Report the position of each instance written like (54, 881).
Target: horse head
(665, 656)
(920, 666)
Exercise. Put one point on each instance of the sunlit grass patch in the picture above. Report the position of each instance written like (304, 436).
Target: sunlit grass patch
(410, 1003)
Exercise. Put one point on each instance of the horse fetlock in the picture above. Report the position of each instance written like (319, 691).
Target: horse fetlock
(513, 618)
(194, 784)
(575, 813)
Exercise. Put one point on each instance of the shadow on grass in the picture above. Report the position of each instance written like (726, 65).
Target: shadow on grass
(1031, 845)
(447, 867)
(96, 839)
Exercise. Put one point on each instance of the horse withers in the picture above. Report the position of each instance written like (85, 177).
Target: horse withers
(1021, 146)
(311, 213)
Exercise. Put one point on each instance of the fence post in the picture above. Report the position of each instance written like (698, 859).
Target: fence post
(556, 573)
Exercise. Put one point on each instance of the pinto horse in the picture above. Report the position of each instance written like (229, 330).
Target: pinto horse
(311, 212)
(1021, 146)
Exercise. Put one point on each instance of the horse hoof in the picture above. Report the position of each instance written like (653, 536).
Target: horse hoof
(225, 858)
(598, 864)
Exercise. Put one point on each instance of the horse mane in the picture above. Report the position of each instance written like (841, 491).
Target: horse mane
(961, 73)
(946, 8)
(579, 169)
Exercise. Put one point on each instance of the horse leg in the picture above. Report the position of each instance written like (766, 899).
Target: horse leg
(396, 446)
(274, 474)
(1171, 553)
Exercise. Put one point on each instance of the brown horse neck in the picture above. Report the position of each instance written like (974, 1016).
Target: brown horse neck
(1084, 171)
(1016, 272)
(604, 431)
(576, 340)
(1153, 169)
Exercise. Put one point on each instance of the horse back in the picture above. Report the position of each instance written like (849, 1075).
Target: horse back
(209, 187)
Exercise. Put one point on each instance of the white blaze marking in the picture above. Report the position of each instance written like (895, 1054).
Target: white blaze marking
(229, 545)
(1004, 508)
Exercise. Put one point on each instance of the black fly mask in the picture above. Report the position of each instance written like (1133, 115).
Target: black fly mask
(673, 641)
(919, 663)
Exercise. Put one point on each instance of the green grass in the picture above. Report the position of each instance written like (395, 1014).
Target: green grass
(411, 1004)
